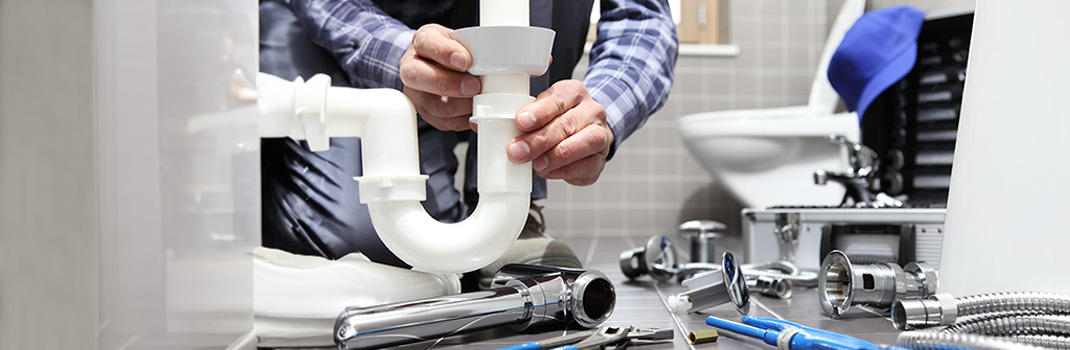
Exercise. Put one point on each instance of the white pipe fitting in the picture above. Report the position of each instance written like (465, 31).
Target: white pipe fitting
(392, 185)
(505, 51)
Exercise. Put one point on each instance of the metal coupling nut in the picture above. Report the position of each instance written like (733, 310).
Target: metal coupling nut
(938, 310)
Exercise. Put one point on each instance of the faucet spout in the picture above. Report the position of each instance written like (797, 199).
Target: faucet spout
(857, 187)
(859, 178)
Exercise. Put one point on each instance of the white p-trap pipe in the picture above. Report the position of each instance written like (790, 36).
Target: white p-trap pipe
(505, 52)
(392, 185)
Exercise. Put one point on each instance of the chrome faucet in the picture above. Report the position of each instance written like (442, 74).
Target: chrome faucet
(859, 178)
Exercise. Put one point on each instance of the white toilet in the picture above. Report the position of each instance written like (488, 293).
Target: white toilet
(767, 157)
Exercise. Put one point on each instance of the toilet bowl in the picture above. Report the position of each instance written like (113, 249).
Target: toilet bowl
(767, 157)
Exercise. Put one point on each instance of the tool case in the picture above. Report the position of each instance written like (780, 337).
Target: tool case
(805, 235)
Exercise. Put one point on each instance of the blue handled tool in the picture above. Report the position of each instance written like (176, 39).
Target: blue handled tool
(794, 336)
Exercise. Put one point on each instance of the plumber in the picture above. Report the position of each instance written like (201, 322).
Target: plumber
(310, 202)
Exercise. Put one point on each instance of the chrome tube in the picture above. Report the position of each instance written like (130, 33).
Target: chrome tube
(553, 296)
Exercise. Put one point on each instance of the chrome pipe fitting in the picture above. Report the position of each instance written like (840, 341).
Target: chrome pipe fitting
(841, 284)
(707, 291)
(939, 310)
(771, 287)
(656, 258)
(702, 236)
(547, 295)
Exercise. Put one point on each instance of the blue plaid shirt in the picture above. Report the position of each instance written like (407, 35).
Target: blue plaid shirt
(631, 62)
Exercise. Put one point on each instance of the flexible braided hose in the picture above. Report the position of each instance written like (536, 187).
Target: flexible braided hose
(781, 269)
(1018, 302)
(1003, 324)
(943, 309)
(924, 340)
(778, 269)
(1044, 340)
(778, 265)
(803, 278)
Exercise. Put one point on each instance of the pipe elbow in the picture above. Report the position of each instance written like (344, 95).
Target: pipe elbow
(431, 246)
(391, 103)
(391, 183)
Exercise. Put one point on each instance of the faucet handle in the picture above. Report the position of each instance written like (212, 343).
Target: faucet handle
(701, 226)
(863, 160)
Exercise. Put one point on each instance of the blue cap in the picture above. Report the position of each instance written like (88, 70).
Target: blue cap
(878, 50)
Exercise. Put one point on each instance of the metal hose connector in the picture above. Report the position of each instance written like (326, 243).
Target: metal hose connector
(943, 309)
(922, 340)
(1003, 324)
(1044, 340)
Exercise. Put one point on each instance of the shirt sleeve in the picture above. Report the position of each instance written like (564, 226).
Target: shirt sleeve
(631, 62)
(365, 41)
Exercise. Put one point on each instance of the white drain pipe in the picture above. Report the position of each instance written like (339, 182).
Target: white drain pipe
(385, 120)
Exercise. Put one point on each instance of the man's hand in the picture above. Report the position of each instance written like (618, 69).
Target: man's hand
(433, 71)
(565, 134)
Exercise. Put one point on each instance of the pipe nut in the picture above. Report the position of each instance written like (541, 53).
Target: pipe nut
(939, 310)
(926, 276)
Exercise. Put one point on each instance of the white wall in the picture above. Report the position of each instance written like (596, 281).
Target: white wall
(48, 209)
(1006, 211)
(129, 192)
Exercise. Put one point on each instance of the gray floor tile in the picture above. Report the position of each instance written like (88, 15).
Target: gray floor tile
(640, 304)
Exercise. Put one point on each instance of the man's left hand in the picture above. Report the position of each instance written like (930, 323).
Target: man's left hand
(564, 134)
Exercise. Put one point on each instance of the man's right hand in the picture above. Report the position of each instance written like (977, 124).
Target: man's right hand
(433, 72)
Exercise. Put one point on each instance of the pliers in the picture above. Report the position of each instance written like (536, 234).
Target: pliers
(794, 336)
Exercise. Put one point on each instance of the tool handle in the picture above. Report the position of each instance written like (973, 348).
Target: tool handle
(525, 346)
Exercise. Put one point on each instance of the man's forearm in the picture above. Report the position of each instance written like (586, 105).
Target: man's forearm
(631, 69)
(367, 42)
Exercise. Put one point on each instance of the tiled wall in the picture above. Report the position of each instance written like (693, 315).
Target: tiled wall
(653, 184)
